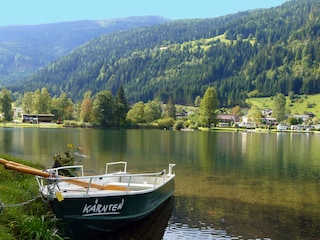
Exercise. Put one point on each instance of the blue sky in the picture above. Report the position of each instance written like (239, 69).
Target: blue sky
(29, 12)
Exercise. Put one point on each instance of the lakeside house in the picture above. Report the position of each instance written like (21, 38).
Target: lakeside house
(303, 117)
(37, 118)
(297, 127)
(17, 112)
(282, 127)
(227, 119)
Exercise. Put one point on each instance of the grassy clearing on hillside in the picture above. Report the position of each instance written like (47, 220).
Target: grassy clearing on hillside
(303, 104)
(223, 38)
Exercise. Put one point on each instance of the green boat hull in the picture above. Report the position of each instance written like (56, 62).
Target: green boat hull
(108, 213)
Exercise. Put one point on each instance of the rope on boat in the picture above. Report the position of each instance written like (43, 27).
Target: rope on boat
(3, 206)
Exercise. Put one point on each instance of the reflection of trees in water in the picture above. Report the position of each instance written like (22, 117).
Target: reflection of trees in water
(214, 216)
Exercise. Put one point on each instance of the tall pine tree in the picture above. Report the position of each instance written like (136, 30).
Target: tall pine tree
(121, 108)
(208, 107)
(5, 104)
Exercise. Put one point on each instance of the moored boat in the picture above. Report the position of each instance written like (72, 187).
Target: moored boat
(108, 201)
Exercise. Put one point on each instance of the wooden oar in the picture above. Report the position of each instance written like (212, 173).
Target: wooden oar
(26, 169)
(33, 171)
(4, 162)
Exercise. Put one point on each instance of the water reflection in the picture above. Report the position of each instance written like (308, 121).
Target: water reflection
(235, 184)
(213, 218)
(216, 218)
(152, 227)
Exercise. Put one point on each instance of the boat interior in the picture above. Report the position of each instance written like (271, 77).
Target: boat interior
(109, 182)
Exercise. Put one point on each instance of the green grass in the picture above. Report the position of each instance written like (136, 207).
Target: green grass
(221, 37)
(22, 221)
(29, 125)
(303, 104)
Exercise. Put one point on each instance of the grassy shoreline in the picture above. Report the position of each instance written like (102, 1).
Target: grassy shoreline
(23, 213)
(29, 125)
(215, 129)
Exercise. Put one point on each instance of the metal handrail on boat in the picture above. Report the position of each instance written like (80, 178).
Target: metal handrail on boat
(87, 180)
(117, 163)
(55, 171)
(53, 178)
(171, 165)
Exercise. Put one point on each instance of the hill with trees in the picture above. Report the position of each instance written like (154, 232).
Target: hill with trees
(26, 48)
(248, 54)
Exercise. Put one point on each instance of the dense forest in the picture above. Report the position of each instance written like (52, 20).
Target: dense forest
(26, 48)
(258, 53)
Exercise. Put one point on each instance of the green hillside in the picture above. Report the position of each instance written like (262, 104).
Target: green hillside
(249, 54)
(299, 105)
(26, 48)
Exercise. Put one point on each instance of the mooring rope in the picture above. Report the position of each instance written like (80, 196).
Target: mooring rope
(3, 206)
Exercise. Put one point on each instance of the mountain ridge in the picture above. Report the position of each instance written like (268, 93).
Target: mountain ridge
(158, 37)
(26, 48)
(256, 53)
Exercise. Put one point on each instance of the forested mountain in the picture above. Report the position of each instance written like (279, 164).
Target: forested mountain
(259, 53)
(26, 48)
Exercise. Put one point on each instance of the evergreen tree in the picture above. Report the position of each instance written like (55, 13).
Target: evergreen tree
(121, 108)
(279, 107)
(86, 107)
(5, 104)
(170, 110)
(208, 107)
(197, 101)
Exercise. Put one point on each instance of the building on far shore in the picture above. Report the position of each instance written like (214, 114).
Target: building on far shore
(37, 118)
(227, 118)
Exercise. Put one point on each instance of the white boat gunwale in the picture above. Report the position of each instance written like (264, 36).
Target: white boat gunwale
(148, 182)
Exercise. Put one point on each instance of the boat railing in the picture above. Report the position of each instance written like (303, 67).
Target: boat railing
(56, 171)
(171, 165)
(149, 180)
(117, 163)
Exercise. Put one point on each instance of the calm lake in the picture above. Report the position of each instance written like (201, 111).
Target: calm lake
(229, 185)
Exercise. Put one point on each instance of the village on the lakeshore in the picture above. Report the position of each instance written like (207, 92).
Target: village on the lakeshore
(223, 120)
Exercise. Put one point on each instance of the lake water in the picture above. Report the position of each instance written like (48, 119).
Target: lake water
(229, 185)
